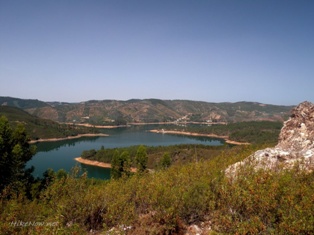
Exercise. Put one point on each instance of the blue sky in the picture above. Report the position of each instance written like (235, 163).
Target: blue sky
(215, 50)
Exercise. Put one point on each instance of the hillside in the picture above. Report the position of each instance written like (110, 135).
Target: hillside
(194, 196)
(38, 128)
(108, 112)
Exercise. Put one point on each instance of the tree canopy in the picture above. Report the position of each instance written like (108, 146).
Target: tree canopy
(141, 158)
(120, 165)
(15, 152)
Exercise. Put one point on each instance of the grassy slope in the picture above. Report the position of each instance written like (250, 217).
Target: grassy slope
(167, 201)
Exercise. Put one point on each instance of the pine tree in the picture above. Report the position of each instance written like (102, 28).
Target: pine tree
(15, 152)
(165, 161)
(120, 165)
(141, 159)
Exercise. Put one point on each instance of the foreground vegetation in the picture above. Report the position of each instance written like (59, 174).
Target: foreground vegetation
(167, 201)
(164, 202)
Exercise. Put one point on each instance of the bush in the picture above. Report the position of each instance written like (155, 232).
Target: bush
(168, 200)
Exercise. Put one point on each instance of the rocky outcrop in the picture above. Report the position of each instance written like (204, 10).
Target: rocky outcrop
(295, 145)
(298, 132)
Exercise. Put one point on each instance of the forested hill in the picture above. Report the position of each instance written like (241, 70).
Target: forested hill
(38, 128)
(102, 112)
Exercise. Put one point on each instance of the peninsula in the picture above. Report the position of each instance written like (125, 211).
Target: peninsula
(224, 137)
(97, 163)
(66, 138)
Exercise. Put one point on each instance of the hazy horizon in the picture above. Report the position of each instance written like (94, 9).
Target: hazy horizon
(211, 51)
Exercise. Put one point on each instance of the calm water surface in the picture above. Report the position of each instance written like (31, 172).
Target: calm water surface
(61, 154)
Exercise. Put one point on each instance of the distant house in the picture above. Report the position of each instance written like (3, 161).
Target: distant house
(84, 119)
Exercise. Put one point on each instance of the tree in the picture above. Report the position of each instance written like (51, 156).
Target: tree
(141, 159)
(126, 163)
(49, 176)
(15, 152)
(165, 161)
(120, 120)
(120, 165)
(115, 166)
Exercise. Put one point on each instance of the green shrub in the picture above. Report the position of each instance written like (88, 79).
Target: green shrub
(166, 201)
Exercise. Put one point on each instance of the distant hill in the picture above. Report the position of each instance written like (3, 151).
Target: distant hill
(102, 112)
(22, 103)
(40, 128)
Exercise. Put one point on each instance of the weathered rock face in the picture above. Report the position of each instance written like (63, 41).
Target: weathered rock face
(298, 132)
(296, 143)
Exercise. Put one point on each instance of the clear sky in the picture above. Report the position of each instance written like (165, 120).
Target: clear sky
(214, 50)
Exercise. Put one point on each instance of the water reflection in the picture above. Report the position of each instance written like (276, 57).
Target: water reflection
(55, 145)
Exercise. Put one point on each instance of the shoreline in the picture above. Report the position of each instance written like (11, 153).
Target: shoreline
(224, 137)
(143, 124)
(66, 138)
(175, 123)
(97, 163)
(92, 163)
(95, 126)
